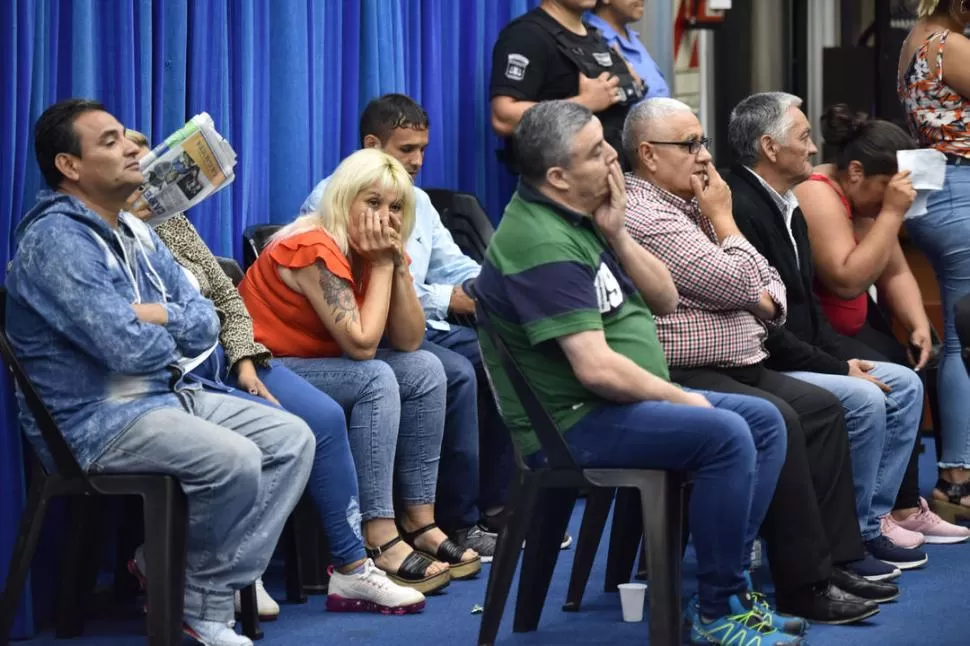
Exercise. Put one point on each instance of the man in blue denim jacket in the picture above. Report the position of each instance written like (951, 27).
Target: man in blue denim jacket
(106, 323)
(396, 124)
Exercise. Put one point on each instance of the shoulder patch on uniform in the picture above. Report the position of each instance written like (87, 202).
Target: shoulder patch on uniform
(515, 68)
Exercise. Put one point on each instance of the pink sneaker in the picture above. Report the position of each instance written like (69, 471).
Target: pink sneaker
(933, 528)
(900, 536)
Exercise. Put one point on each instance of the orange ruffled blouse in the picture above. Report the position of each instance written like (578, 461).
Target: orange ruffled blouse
(283, 320)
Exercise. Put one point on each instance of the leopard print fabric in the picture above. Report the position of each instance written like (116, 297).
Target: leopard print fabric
(191, 252)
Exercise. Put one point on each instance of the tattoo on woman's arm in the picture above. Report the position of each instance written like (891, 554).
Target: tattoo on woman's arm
(338, 294)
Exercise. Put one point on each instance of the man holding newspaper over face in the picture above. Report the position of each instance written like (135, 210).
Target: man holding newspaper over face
(106, 340)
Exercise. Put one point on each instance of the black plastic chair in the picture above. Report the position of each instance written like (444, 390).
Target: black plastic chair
(626, 542)
(255, 238)
(541, 502)
(231, 269)
(465, 218)
(165, 519)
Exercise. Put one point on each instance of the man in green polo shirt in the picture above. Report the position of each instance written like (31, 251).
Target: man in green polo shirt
(571, 294)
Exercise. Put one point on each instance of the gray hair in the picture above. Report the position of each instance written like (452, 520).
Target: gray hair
(759, 115)
(641, 116)
(544, 137)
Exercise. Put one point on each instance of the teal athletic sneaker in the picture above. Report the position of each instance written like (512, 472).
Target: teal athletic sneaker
(782, 623)
(743, 626)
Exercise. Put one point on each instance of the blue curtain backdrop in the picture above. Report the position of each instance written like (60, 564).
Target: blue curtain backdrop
(284, 80)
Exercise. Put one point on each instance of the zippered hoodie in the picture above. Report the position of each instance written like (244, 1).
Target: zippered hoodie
(71, 285)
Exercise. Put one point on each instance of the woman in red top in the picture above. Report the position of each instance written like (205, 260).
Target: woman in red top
(332, 297)
(854, 208)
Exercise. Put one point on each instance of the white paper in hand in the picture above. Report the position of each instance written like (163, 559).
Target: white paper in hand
(928, 173)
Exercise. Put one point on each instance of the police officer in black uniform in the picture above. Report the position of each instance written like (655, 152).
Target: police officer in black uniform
(550, 53)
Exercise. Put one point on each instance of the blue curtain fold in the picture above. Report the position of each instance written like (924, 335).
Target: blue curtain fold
(284, 81)
(16, 55)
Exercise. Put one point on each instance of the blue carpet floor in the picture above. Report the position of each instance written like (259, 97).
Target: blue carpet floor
(934, 609)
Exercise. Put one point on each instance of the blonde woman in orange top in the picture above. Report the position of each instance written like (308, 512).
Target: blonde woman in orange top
(332, 298)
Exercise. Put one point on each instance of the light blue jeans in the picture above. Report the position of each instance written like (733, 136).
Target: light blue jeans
(396, 407)
(882, 429)
(943, 234)
(243, 467)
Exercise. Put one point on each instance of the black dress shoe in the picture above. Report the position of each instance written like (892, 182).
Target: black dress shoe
(825, 603)
(878, 591)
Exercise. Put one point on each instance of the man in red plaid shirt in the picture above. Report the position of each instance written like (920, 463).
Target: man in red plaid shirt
(679, 208)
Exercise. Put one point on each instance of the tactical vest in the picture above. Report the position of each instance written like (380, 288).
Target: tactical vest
(596, 58)
(591, 60)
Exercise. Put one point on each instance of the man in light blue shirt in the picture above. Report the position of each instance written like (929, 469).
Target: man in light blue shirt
(612, 18)
(399, 126)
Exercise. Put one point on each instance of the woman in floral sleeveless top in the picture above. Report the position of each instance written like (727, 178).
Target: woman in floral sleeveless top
(934, 87)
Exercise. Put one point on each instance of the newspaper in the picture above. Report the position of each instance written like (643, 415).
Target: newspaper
(192, 164)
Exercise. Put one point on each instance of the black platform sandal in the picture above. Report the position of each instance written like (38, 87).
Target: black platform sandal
(950, 509)
(411, 572)
(449, 552)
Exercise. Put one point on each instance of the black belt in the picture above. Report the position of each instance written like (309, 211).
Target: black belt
(957, 160)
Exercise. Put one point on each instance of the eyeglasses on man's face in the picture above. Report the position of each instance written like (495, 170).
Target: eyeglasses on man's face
(693, 146)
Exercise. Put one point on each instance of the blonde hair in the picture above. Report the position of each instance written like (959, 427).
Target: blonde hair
(362, 170)
(137, 138)
(929, 7)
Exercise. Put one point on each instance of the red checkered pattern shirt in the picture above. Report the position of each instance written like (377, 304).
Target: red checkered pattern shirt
(718, 283)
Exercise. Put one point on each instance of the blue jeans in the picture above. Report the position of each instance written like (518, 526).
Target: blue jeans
(943, 234)
(734, 451)
(396, 406)
(243, 467)
(882, 429)
(333, 478)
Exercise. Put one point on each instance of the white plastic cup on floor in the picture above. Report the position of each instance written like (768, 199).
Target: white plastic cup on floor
(632, 596)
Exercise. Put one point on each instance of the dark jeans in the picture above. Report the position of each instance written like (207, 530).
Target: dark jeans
(734, 452)
(496, 460)
(812, 520)
(460, 500)
(882, 347)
